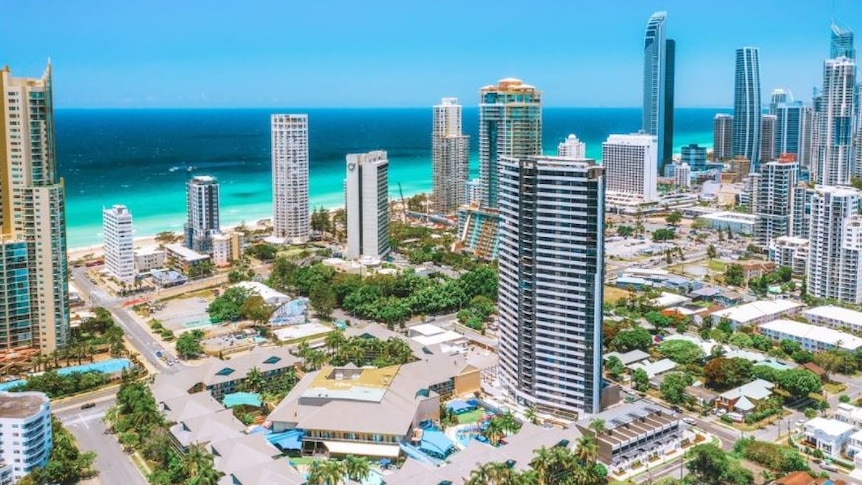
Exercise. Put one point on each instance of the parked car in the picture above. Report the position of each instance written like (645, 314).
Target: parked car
(88, 405)
(689, 421)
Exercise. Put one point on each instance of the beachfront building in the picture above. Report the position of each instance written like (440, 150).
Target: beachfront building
(202, 209)
(551, 262)
(658, 86)
(835, 250)
(449, 157)
(290, 178)
(757, 312)
(119, 243)
(510, 124)
(34, 295)
(572, 148)
(635, 433)
(835, 317)
(834, 114)
(227, 247)
(812, 338)
(25, 421)
(631, 166)
(366, 190)
(183, 259)
(722, 137)
(775, 196)
(746, 105)
(695, 156)
(150, 258)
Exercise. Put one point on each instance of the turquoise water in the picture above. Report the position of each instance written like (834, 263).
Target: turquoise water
(106, 366)
(11, 384)
(139, 157)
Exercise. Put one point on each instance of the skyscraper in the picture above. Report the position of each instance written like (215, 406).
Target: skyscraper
(791, 123)
(119, 243)
(34, 295)
(658, 86)
(366, 192)
(767, 138)
(779, 96)
(510, 124)
(832, 157)
(551, 281)
(722, 137)
(746, 105)
(835, 249)
(449, 157)
(572, 148)
(290, 178)
(630, 165)
(842, 43)
(695, 156)
(775, 197)
(202, 211)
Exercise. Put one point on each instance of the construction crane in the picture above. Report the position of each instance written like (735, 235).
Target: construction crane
(403, 202)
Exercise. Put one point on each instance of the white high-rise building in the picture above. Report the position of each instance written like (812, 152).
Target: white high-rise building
(202, 209)
(832, 155)
(572, 148)
(682, 176)
(551, 258)
(835, 245)
(631, 165)
(449, 157)
(34, 294)
(366, 190)
(25, 418)
(290, 178)
(119, 243)
(774, 193)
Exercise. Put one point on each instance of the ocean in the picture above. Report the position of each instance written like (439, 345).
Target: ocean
(139, 158)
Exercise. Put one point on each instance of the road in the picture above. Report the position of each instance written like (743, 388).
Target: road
(90, 432)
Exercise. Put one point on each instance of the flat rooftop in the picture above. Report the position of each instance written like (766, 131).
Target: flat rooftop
(20, 405)
(351, 383)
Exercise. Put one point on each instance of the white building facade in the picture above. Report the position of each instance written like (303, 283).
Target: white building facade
(449, 157)
(290, 177)
(572, 148)
(834, 114)
(202, 209)
(682, 176)
(790, 251)
(551, 259)
(366, 190)
(25, 427)
(835, 249)
(775, 198)
(631, 165)
(811, 337)
(119, 243)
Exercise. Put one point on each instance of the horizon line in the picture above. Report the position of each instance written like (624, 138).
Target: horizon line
(203, 108)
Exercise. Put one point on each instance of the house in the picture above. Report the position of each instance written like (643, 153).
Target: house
(668, 300)
(272, 297)
(628, 358)
(850, 414)
(828, 435)
(707, 293)
(701, 395)
(656, 368)
(745, 398)
(816, 370)
(634, 433)
(757, 312)
(756, 269)
(800, 478)
(728, 298)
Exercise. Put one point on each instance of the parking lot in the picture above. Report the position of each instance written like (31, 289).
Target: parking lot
(185, 313)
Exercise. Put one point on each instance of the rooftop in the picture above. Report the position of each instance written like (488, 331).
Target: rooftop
(655, 368)
(351, 383)
(757, 309)
(831, 427)
(814, 333)
(269, 295)
(839, 314)
(20, 405)
(757, 389)
(629, 357)
(185, 253)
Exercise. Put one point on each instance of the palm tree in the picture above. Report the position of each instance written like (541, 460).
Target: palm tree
(491, 473)
(334, 341)
(254, 380)
(598, 426)
(509, 423)
(357, 468)
(316, 473)
(530, 415)
(196, 460)
(542, 464)
(494, 431)
(333, 472)
(587, 450)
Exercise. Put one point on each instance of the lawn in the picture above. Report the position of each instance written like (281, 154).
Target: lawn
(614, 294)
(834, 388)
(716, 265)
(470, 417)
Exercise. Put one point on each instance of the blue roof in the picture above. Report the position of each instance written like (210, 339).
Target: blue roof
(436, 443)
(287, 440)
(458, 406)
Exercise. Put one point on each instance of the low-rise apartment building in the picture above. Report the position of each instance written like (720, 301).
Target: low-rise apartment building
(757, 312)
(182, 258)
(834, 317)
(811, 337)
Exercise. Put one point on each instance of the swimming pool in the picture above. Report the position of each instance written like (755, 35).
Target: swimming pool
(111, 366)
(11, 384)
(373, 478)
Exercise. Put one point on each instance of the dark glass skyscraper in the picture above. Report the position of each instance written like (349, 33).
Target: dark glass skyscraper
(746, 106)
(842, 43)
(658, 85)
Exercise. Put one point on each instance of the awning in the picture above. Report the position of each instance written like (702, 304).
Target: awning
(362, 449)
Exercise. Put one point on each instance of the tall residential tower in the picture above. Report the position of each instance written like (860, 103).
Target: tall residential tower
(746, 106)
(551, 282)
(449, 157)
(290, 178)
(202, 208)
(722, 137)
(34, 292)
(832, 155)
(658, 86)
(119, 243)
(366, 193)
(835, 248)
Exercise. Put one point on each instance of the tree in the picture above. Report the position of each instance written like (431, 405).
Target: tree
(189, 344)
(722, 373)
(637, 338)
(798, 382)
(615, 367)
(674, 218)
(228, 306)
(256, 309)
(663, 235)
(587, 449)
(707, 465)
(323, 299)
(625, 231)
(673, 387)
(734, 275)
(597, 425)
(681, 351)
(711, 252)
(640, 379)
(167, 237)
(66, 463)
(357, 468)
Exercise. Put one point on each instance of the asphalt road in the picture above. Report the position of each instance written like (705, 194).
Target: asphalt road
(90, 432)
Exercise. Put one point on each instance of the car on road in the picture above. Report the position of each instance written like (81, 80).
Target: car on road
(88, 405)
(689, 421)
(829, 467)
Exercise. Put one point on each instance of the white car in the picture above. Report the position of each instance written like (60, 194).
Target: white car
(689, 421)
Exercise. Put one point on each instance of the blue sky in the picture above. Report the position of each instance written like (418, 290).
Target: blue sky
(366, 53)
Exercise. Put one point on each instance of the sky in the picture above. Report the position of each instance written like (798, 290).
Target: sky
(404, 53)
